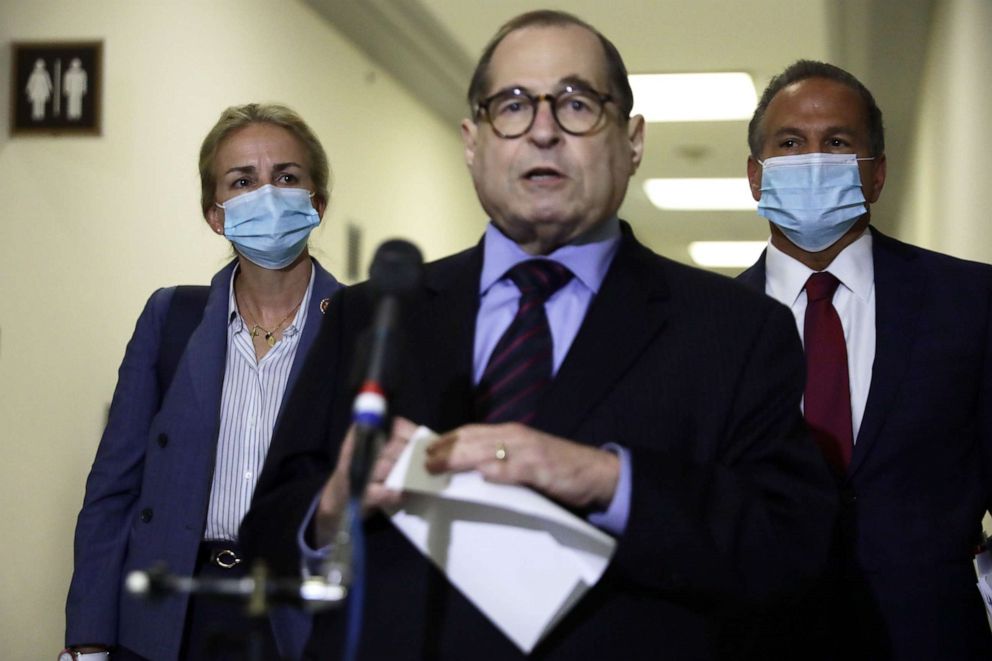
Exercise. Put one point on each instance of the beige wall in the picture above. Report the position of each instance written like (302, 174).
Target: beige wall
(949, 207)
(90, 226)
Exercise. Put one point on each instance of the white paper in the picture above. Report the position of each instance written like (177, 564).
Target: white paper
(523, 560)
(985, 587)
(983, 566)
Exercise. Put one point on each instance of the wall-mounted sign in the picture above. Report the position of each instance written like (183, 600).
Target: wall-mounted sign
(56, 87)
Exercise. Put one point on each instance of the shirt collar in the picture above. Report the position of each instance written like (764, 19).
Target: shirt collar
(588, 261)
(233, 318)
(853, 266)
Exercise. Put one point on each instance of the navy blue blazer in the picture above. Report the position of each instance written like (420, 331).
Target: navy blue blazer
(920, 478)
(700, 378)
(148, 490)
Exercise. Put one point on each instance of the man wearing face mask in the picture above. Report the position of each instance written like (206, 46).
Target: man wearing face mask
(898, 396)
(199, 392)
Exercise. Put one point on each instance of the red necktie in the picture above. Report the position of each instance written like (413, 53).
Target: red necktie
(827, 404)
(520, 366)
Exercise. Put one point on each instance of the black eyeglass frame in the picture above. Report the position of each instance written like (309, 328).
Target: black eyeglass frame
(535, 100)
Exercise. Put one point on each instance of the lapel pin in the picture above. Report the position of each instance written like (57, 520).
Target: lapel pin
(323, 305)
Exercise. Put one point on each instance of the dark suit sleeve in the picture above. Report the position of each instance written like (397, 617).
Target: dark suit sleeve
(985, 398)
(753, 520)
(303, 450)
(114, 484)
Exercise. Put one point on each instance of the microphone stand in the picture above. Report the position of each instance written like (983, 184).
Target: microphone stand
(258, 590)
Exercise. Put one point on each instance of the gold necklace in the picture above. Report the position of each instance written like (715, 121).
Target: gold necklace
(269, 335)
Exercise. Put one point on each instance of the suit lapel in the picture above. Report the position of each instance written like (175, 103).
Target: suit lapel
(627, 313)
(754, 277)
(442, 329)
(324, 286)
(206, 351)
(898, 293)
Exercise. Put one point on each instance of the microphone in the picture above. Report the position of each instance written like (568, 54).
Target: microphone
(395, 273)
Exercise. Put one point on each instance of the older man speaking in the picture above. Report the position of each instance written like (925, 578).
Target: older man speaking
(657, 401)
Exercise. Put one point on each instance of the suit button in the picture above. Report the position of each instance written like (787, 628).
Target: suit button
(146, 515)
(848, 497)
(163, 440)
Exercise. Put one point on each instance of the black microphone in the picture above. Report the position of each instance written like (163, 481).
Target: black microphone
(396, 272)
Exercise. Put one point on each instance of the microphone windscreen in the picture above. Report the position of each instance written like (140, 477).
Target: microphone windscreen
(397, 268)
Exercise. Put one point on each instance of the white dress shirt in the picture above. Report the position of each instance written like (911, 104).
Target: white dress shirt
(854, 301)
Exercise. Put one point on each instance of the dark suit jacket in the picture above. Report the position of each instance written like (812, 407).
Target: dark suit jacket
(697, 376)
(919, 480)
(148, 490)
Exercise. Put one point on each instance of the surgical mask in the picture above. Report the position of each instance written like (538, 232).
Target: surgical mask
(813, 198)
(270, 225)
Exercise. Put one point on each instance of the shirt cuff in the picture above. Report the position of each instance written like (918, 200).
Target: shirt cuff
(614, 519)
(311, 559)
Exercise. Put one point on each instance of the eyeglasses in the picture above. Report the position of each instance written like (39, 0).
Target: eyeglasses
(577, 110)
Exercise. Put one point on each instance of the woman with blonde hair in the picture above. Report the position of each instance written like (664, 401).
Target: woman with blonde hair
(198, 395)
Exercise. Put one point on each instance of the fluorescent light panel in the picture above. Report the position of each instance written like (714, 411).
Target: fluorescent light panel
(720, 194)
(693, 97)
(726, 254)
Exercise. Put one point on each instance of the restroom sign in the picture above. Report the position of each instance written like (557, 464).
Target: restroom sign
(56, 87)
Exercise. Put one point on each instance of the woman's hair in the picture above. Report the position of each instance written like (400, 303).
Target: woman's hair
(237, 117)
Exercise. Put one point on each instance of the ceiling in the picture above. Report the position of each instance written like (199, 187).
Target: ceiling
(431, 46)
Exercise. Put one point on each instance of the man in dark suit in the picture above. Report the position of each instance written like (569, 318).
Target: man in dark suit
(667, 413)
(909, 431)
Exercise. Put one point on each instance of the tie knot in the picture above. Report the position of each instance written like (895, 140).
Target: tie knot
(821, 285)
(539, 278)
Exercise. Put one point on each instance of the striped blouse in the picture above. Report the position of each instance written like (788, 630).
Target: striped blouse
(250, 403)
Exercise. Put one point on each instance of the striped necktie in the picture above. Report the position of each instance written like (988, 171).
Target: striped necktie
(519, 369)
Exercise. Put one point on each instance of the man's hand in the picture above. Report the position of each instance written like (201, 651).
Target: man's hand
(575, 475)
(334, 497)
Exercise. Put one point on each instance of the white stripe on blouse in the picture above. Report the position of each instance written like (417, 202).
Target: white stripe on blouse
(250, 403)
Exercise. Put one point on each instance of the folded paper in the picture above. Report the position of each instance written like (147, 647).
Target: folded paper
(523, 560)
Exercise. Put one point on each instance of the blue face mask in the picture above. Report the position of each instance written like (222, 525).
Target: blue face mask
(270, 225)
(813, 198)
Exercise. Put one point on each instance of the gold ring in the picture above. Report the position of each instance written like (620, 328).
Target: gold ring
(500, 452)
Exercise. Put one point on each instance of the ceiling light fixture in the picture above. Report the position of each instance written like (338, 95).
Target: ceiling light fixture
(726, 254)
(719, 194)
(693, 97)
